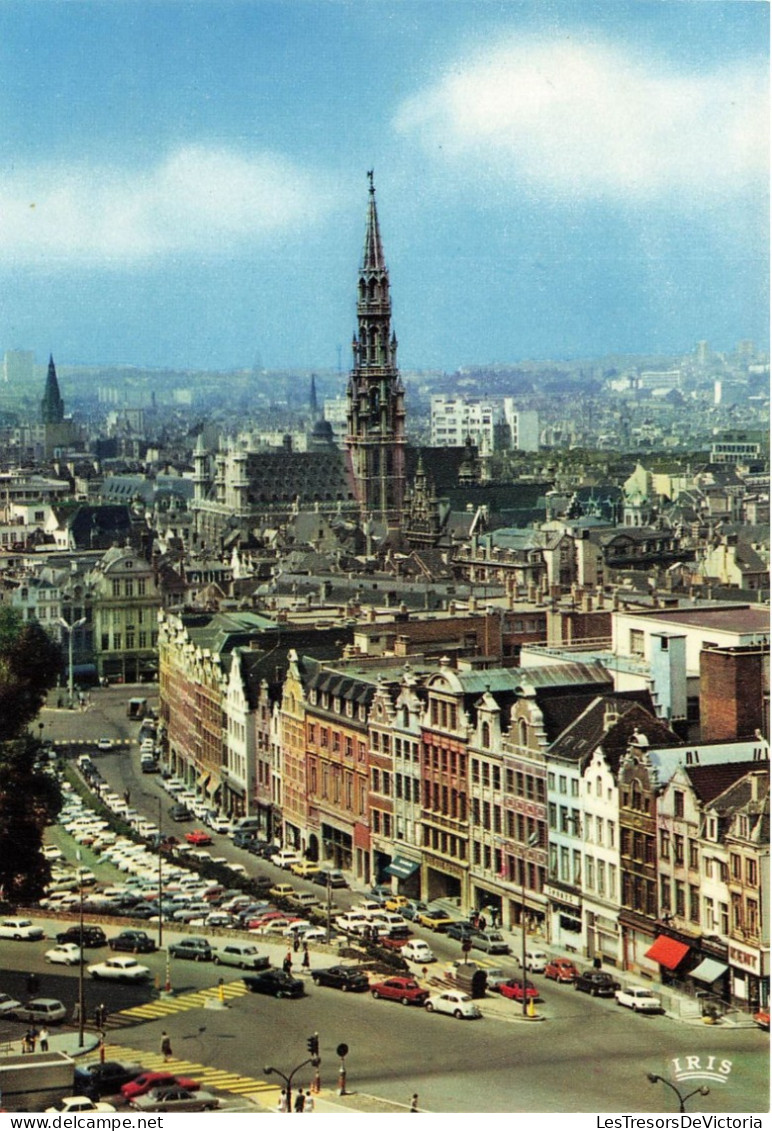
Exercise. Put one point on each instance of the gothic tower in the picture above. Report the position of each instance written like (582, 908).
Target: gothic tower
(375, 438)
(52, 405)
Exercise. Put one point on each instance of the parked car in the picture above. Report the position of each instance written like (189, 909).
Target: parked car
(119, 970)
(90, 938)
(64, 954)
(413, 908)
(105, 744)
(761, 1017)
(492, 942)
(404, 990)
(15, 928)
(146, 1081)
(640, 999)
(196, 948)
(352, 921)
(561, 970)
(137, 942)
(282, 891)
(305, 868)
(453, 1002)
(104, 1078)
(435, 918)
(8, 1005)
(342, 978)
(242, 954)
(45, 1010)
(460, 931)
(275, 983)
(176, 1098)
(396, 902)
(330, 877)
(535, 961)
(597, 983)
(416, 950)
(71, 1104)
(285, 858)
(515, 989)
(180, 813)
(198, 837)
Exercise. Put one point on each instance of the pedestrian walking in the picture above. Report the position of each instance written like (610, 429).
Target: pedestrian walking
(414, 1102)
(300, 1101)
(310, 1104)
(287, 963)
(306, 962)
(166, 1045)
(282, 1104)
(295, 941)
(44, 1039)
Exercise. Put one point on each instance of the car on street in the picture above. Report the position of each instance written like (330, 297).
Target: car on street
(460, 931)
(285, 858)
(330, 877)
(535, 961)
(352, 921)
(126, 970)
(198, 838)
(513, 988)
(16, 928)
(72, 1104)
(416, 950)
(640, 999)
(105, 744)
(90, 937)
(8, 1005)
(241, 954)
(597, 983)
(64, 954)
(136, 942)
(396, 902)
(342, 978)
(282, 891)
(275, 983)
(413, 908)
(561, 970)
(180, 812)
(304, 868)
(175, 1099)
(196, 948)
(146, 1081)
(104, 1078)
(46, 1010)
(492, 942)
(455, 1003)
(435, 918)
(761, 1017)
(404, 990)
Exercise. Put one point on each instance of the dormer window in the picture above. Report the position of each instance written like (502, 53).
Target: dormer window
(349, 709)
(486, 734)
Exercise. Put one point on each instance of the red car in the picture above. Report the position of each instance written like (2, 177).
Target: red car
(514, 989)
(198, 837)
(561, 970)
(405, 990)
(148, 1080)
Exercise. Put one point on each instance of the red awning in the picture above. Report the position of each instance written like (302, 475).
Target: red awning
(667, 952)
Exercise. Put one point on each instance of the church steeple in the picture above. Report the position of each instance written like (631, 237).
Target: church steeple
(376, 396)
(52, 405)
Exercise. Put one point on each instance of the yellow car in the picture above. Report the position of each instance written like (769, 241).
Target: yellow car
(304, 868)
(395, 902)
(434, 918)
(281, 891)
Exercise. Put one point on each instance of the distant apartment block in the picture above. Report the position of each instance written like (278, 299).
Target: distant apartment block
(491, 424)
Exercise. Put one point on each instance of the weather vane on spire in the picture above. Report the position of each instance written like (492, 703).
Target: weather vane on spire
(370, 179)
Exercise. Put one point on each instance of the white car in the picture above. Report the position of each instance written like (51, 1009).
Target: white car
(65, 954)
(352, 921)
(20, 929)
(416, 950)
(51, 852)
(8, 1004)
(535, 961)
(640, 999)
(453, 1002)
(72, 1104)
(119, 970)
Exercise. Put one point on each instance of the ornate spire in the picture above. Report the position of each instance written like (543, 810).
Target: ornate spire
(52, 405)
(372, 256)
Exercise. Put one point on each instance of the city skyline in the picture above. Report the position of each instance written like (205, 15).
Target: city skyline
(185, 183)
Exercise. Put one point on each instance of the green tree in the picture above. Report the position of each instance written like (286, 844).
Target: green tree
(29, 797)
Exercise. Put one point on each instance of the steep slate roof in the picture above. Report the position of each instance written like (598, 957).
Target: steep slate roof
(588, 731)
(729, 779)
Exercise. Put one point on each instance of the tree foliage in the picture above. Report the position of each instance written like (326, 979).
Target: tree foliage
(29, 797)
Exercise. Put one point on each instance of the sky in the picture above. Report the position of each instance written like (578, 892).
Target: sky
(184, 184)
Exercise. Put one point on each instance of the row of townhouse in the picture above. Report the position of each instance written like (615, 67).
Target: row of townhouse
(543, 794)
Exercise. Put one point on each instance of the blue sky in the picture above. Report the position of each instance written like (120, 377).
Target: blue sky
(184, 184)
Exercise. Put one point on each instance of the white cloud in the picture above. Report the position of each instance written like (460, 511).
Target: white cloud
(196, 200)
(587, 120)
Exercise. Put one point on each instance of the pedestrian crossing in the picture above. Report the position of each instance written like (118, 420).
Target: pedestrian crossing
(164, 1007)
(218, 1078)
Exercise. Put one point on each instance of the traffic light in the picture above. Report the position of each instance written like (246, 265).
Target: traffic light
(312, 1044)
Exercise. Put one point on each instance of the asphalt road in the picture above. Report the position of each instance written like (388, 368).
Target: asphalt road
(588, 1055)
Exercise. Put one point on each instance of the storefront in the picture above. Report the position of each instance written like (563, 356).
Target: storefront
(565, 917)
(748, 976)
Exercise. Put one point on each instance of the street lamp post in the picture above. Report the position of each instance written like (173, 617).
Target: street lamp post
(653, 1078)
(70, 629)
(532, 841)
(152, 797)
(315, 1059)
(81, 972)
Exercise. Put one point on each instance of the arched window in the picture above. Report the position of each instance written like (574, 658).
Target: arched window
(522, 732)
(486, 734)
